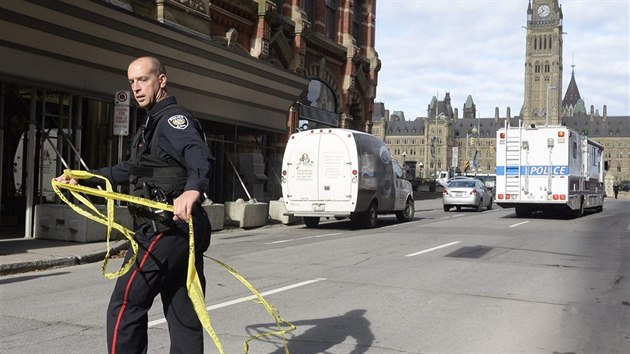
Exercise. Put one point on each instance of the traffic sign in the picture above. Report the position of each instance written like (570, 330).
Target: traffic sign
(121, 113)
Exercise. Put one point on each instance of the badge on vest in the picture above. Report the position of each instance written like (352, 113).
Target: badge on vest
(178, 121)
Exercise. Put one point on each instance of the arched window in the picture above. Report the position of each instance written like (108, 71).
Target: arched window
(321, 96)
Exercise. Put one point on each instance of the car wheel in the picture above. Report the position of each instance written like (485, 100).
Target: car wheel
(490, 204)
(458, 208)
(311, 221)
(368, 218)
(447, 208)
(407, 213)
(479, 206)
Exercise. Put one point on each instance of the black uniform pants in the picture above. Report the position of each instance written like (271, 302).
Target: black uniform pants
(160, 268)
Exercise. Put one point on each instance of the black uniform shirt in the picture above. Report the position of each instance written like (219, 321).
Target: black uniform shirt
(180, 139)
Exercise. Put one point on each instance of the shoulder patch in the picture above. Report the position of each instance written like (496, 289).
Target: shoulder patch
(178, 122)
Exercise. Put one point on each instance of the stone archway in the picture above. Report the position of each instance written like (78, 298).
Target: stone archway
(319, 71)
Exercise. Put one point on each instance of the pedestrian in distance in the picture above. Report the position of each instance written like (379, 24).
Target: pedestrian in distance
(169, 162)
(616, 190)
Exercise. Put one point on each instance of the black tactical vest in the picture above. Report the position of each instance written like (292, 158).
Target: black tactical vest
(146, 168)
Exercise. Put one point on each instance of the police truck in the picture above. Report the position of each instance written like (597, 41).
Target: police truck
(548, 168)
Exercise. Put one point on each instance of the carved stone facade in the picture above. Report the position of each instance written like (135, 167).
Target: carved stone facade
(468, 145)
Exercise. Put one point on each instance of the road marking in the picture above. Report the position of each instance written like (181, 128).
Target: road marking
(458, 215)
(432, 249)
(302, 238)
(392, 225)
(281, 241)
(247, 298)
(520, 223)
(326, 235)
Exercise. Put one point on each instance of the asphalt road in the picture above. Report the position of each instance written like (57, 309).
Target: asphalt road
(446, 282)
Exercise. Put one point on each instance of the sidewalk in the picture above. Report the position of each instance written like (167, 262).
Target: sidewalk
(20, 255)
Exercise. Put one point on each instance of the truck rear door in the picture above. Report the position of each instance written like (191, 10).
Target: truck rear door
(320, 167)
(335, 167)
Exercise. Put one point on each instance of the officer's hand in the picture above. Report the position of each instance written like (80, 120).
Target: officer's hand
(182, 205)
(65, 180)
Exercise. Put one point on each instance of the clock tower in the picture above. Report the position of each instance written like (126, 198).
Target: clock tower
(543, 64)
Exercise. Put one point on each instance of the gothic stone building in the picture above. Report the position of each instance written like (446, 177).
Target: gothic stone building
(253, 71)
(442, 140)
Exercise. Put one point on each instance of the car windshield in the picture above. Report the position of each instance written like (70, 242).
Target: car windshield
(462, 184)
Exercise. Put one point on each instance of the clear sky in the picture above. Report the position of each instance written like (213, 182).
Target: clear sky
(477, 47)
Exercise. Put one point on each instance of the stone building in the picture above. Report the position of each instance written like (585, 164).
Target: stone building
(252, 71)
(442, 140)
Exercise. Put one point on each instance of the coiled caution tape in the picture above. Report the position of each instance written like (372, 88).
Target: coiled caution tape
(193, 285)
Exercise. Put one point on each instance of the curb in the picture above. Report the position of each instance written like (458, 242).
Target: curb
(30, 266)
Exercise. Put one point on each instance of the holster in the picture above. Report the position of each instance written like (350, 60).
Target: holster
(160, 220)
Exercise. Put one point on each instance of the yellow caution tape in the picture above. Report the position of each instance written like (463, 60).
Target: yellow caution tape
(193, 284)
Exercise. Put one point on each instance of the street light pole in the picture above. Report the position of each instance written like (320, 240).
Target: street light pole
(404, 163)
(549, 88)
(468, 135)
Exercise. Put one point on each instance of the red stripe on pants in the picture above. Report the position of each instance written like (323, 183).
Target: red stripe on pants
(126, 297)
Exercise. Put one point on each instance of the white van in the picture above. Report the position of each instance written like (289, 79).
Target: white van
(343, 173)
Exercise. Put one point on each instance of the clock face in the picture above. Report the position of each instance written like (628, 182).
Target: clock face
(543, 10)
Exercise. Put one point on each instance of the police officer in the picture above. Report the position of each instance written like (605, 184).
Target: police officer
(170, 162)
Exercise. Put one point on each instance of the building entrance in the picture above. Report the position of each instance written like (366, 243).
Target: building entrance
(41, 133)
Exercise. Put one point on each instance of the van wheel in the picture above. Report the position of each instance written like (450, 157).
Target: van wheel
(311, 221)
(368, 218)
(407, 213)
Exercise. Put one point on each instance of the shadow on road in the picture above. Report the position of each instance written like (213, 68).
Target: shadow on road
(326, 333)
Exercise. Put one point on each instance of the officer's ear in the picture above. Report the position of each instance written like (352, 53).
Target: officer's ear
(163, 80)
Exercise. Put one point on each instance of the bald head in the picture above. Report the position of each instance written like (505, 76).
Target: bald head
(147, 77)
